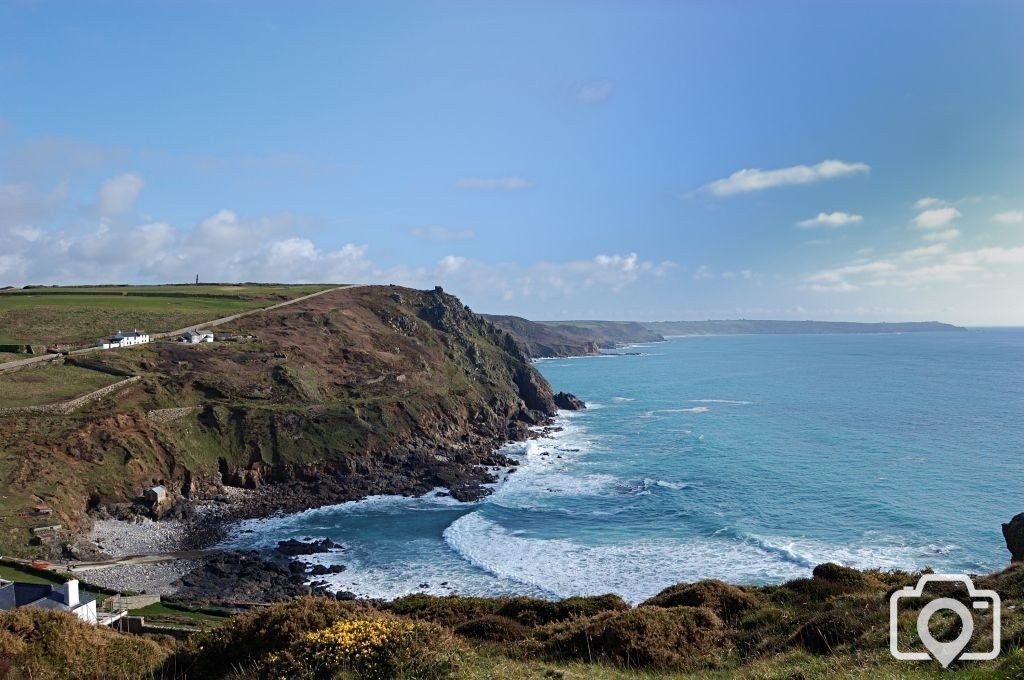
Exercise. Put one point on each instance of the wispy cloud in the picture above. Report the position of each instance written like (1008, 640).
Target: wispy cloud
(1009, 217)
(916, 267)
(511, 183)
(595, 91)
(834, 220)
(936, 218)
(944, 235)
(755, 179)
(703, 273)
(442, 234)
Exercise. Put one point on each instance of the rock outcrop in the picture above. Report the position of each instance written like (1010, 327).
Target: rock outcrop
(569, 402)
(1013, 532)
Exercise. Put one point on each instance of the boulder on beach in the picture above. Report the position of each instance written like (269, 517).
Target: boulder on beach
(569, 402)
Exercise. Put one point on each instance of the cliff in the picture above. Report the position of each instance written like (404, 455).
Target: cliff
(361, 391)
(572, 338)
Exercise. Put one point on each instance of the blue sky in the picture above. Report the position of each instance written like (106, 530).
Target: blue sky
(676, 160)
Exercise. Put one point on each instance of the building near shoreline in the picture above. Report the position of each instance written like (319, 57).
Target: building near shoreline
(124, 339)
(64, 597)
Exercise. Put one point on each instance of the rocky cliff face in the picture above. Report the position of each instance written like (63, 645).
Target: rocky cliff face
(362, 391)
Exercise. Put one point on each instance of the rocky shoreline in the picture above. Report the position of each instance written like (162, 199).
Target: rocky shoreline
(231, 577)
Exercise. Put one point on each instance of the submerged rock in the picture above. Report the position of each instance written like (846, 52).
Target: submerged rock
(569, 402)
(293, 547)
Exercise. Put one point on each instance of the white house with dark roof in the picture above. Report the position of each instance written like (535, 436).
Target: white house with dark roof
(64, 597)
(124, 339)
(196, 336)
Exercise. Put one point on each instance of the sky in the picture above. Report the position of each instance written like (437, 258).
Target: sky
(646, 160)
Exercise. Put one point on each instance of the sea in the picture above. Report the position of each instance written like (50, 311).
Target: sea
(749, 459)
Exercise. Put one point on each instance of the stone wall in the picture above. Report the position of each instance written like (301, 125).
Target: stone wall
(70, 406)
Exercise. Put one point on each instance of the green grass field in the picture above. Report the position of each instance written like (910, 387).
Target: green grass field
(49, 384)
(178, 615)
(80, 316)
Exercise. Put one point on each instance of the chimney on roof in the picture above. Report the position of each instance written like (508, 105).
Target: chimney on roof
(70, 591)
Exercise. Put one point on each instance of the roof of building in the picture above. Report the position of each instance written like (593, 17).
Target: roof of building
(39, 595)
(125, 334)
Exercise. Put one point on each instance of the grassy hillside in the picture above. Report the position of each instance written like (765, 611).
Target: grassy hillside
(358, 391)
(81, 315)
(49, 384)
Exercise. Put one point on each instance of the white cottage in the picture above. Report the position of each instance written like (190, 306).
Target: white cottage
(125, 339)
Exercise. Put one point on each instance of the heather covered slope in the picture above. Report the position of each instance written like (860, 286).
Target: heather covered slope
(366, 390)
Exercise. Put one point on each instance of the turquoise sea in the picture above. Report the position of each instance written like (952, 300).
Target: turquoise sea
(745, 458)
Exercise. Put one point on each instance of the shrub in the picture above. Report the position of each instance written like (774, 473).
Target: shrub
(848, 578)
(448, 610)
(372, 648)
(531, 611)
(645, 637)
(824, 632)
(493, 629)
(727, 601)
(49, 645)
(247, 638)
(454, 610)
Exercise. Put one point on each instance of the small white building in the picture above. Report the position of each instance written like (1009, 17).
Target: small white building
(61, 598)
(125, 339)
(195, 336)
(156, 495)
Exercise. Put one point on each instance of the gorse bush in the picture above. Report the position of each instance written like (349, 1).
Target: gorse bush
(248, 638)
(380, 648)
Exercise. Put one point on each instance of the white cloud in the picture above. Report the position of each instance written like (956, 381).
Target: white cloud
(703, 273)
(944, 235)
(1009, 217)
(511, 183)
(595, 91)
(935, 218)
(833, 220)
(442, 234)
(755, 179)
(925, 203)
(743, 274)
(118, 194)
